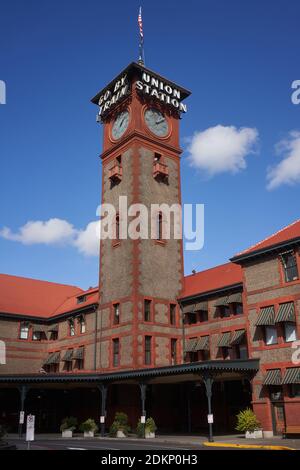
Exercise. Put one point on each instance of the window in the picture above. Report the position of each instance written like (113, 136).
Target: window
(82, 324)
(173, 314)
(72, 327)
(237, 309)
(148, 340)
(69, 366)
(191, 318)
(53, 335)
(79, 364)
(270, 335)
(81, 299)
(52, 368)
(37, 336)
(290, 332)
(116, 352)
(147, 310)
(159, 226)
(117, 227)
(205, 355)
(157, 157)
(203, 315)
(241, 351)
(289, 263)
(24, 330)
(194, 356)
(294, 390)
(173, 351)
(119, 160)
(116, 319)
(224, 311)
(225, 353)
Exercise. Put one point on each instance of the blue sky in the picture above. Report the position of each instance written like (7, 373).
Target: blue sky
(238, 59)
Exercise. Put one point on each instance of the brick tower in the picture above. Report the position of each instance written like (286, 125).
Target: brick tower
(140, 279)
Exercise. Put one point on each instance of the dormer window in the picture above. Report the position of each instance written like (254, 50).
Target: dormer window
(81, 299)
(290, 267)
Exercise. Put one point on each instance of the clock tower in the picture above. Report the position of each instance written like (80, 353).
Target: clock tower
(141, 277)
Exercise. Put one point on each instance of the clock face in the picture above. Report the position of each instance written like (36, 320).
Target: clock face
(156, 122)
(120, 125)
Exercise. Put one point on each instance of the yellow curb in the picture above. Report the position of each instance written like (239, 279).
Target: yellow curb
(246, 446)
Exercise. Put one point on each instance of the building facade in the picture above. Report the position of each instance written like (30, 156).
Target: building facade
(150, 339)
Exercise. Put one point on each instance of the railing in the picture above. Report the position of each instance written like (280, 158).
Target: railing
(160, 170)
(115, 173)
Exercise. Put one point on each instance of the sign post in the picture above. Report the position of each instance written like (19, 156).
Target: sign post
(30, 430)
(22, 416)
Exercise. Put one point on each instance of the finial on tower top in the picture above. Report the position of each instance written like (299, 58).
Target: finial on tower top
(141, 60)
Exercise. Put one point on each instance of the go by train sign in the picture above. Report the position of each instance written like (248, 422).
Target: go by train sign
(147, 84)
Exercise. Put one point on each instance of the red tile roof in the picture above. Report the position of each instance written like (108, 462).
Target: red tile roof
(283, 235)
(212, 279)
(23, 296)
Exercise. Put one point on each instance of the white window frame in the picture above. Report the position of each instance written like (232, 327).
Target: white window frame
(271, 339)
(82, 325)
(72, 327)
(24, 331)
(292, 334)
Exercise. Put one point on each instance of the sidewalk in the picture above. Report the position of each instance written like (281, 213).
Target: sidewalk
(186, 439)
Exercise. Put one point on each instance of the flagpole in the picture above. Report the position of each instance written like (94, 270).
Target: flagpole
(141, 60)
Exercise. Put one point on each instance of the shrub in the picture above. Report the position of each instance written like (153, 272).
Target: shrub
(247, 421)
(88, 425)
(120, 423)
(140, 429)
(149, 426)
(68, 423)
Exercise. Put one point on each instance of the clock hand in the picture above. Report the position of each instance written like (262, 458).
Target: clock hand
(158, 122)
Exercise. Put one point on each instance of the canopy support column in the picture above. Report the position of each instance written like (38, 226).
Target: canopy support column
(143, 389)
(23, 390)
(208, 382)
(103, 390)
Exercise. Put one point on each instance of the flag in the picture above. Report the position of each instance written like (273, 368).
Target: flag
(140, 23)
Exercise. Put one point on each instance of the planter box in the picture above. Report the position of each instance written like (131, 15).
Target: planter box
(120, 434)
(149, 435)
(67, 433)
(88, 434)
(254, 435)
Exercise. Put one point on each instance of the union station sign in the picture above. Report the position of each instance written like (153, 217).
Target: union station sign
(147, 84)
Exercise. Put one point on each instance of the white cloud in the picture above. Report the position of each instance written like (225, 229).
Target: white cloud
(57, 232)
(51, 232)
(288, 170)
(88, 240)
(222, 149)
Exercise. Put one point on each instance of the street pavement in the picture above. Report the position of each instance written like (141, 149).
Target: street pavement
(101, 444)
(161, 442)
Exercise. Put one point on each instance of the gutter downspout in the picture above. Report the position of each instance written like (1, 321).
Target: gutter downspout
(95, 345)
(183, 331)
